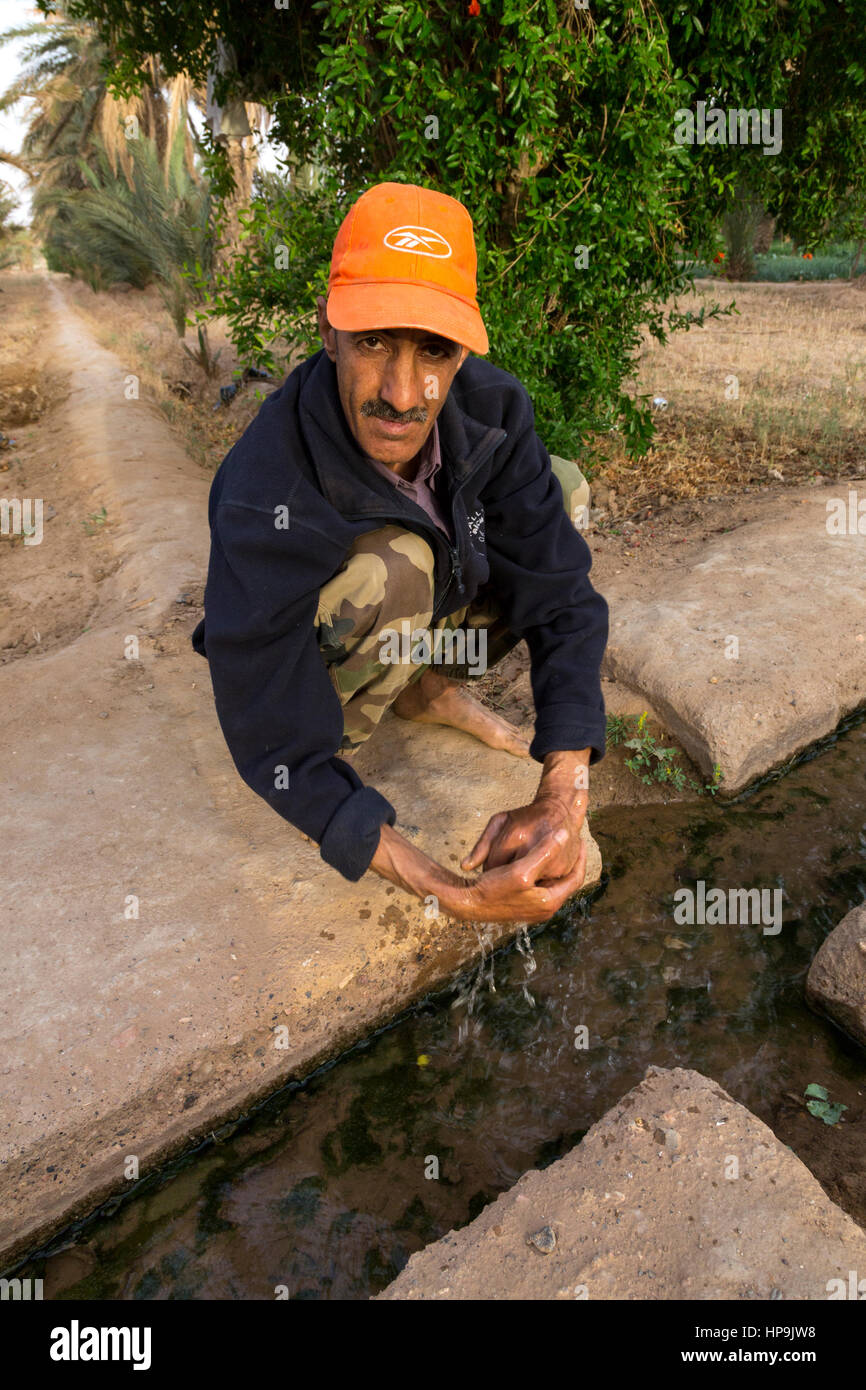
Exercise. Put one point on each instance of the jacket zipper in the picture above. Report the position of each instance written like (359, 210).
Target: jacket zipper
(453, 551)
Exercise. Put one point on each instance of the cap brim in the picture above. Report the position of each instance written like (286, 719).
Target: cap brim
(352, 308)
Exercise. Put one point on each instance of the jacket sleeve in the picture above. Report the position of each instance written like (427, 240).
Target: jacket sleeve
(279, 713)
(539, 565)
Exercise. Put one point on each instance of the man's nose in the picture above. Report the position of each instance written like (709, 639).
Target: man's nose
(399, 383)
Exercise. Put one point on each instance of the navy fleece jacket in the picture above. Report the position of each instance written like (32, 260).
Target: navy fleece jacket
(286, 504)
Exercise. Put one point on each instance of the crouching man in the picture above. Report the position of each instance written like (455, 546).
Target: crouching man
(394, 486)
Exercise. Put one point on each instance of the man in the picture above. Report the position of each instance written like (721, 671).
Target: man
(395, 484)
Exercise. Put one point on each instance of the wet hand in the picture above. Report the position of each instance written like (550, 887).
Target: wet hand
(529, 888)
(510, 835)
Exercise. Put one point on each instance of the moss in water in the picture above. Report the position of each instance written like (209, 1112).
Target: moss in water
(687, 1007)
(351, 1145)
(172, 1264)
(148, 1286)
(344, 1223)
(209, 1222)
(810, 794)
(616, 862)
(477, 1202)
(392, 1093)
(624, 985)
(417, 1219)
(302, 1204)
(511, 1027)
(379, 1269)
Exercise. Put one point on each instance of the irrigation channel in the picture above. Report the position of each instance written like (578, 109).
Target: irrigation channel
(328, 1188)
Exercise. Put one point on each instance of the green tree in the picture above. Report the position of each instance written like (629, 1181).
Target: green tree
(555, 126)
(65, 78)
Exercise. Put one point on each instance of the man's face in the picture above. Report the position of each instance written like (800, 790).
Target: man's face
(392, 383)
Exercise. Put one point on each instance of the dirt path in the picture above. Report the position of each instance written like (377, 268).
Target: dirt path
(160, 922)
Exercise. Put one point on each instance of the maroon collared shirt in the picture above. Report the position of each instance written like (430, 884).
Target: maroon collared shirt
(420, 489)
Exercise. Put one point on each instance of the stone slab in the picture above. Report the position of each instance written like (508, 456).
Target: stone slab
(794, 598)
(836, 983)
(646, 1207)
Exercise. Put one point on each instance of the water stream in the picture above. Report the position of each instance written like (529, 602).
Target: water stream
(328, 1189)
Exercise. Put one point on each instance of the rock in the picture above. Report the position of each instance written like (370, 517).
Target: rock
(796, 668)
(738, 1217)
(836, 983)
(543, 1240)
(668, 1137)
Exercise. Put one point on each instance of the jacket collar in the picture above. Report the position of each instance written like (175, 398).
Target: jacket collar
(345, 478)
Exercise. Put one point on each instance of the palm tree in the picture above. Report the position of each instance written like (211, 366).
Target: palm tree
(74, 114)
(72, 109)
(153, 227)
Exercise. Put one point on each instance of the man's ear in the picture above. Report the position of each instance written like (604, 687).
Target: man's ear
(327, 334)
(464, 353)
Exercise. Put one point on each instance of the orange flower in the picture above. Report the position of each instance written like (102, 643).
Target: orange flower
(474, 7)
(807, 255)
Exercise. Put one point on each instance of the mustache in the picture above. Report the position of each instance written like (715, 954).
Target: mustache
(381, 410)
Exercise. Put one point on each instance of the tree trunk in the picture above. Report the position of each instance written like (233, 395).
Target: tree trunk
(243, 161)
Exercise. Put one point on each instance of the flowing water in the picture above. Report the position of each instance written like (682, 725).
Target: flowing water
(327, 1190)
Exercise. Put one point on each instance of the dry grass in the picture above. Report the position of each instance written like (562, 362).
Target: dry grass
(798, 352)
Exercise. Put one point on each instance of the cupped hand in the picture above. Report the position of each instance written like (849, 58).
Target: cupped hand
(526, 889)
(509, 835)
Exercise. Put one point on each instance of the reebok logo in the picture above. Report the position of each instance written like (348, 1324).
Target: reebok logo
(418, 241)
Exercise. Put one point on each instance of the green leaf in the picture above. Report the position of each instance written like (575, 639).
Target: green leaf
(824, 1110)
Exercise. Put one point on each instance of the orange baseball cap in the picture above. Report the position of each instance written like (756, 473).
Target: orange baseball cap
(405, 257)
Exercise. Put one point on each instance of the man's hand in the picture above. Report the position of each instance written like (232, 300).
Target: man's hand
(560, 804)
(522, 891)
(533, 857)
